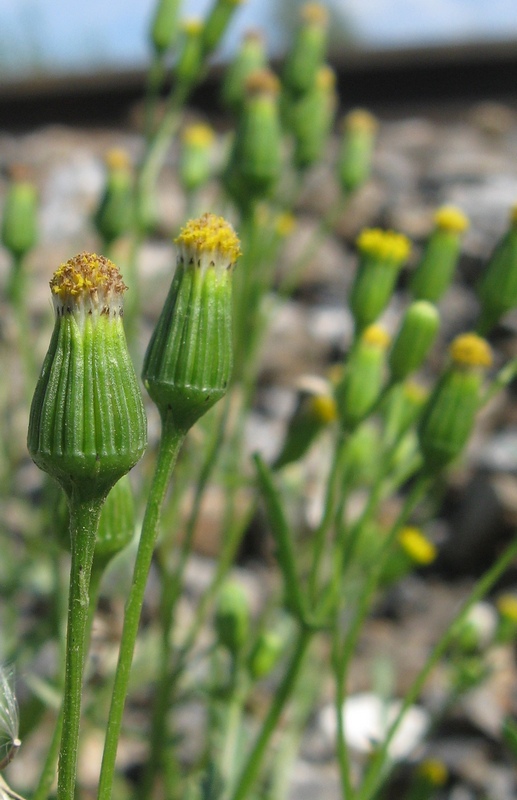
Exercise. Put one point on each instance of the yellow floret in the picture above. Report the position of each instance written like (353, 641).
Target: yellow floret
(376, 335)
(434, 771)
(85, 275)
(450, 218)
(324, 408)
(383, 245)
(360, 120)
(415, 392)
(470, 350)
(192, 26)
(314, 14)
(325, 77)
(117, 158)
(262, 81)
(209, 235)
(416, 546)
(198, 134)
(507, 606)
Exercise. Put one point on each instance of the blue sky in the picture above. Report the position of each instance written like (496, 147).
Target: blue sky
(67, 35)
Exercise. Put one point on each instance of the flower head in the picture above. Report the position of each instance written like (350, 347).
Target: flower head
(417, 546)
(450, 218)
(387, 246)
(470, 350)
(208, 240)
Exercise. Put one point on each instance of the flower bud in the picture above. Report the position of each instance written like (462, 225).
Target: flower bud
(402, 409)
(164, 25)
(316, 409)
(188, 362)
(356, 151)
(232, 617)
(114, 215)
(254, 166)
(416, 546)
(250, 57)
(311, 119)
(449, 415)
(497, 290)
(363, 377)
(435, 270)
(87, 423)
(195, 163)
(308, 51)
(190, 59)
(414, 339)
(265, 654)
(217, 22)
(381, 255)
(19, 222)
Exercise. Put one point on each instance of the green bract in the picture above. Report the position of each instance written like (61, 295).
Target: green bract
(87, 424)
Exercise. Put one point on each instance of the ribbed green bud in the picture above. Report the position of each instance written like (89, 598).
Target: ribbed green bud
(250, 57)
(362, 454)
(188, 66)
(381, 255)
(116, 522)
(19, 221)
(356, 150)
(265, 654)
(308, 51)
(195, 158)
(435, 270)
(217, 22)
(87, 423)
(114, 215)
(363, 377)
(414, 339)
(315, 410)
(449, 415)
(232, 617)
(497, 290)
(188, 363)
(254, 166)
(403, 407)
(311, 119)
(164, 25)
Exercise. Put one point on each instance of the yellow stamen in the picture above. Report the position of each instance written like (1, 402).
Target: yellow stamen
(325, 77)
(198, 135)
(470, 350)
(450, 218)
(117, 158)
(192, 26)
(323, 408)
(377, 336)
(507, 606)
(85, 275)
(360, 120)
(262, 81)
(314, 14)
(416, 546)
(209, 235)
(386, 246)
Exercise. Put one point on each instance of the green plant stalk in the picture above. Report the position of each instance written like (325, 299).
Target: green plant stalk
(254, 761)
(233, 730)
(170, 443)
(481, 588)
(84, 520)
(155, 80)
(343, 651)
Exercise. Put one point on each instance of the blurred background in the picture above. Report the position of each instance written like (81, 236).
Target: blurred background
(58, 37)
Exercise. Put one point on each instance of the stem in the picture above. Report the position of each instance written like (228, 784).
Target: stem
(254, 762)
(171, 441)
(481, 588)
(84, 520)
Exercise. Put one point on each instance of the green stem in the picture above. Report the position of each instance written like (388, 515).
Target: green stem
(170, 444)
(254, 762)
(84, 520)
(481, 588)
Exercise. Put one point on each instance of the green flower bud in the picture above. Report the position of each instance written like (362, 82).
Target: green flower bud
(190, 59)
(497, 290)
(254, 166)
(19, 222)
(435, 270)
(164, 25)
(250, 58)
(308, 51)
(316, 410)
(265, 654)
(116, 523)
(311, 119)
(363, 378)
(449, 415)
(356, 151)
(195, 164)
(381, 255)
(188, 362)
(414, 339)
(232, 617)
(362, 454)
(404, 405)
(217, 22)
(114, 215)
(87, 423)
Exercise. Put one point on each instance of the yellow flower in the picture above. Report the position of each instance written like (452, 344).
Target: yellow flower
(416, 546)
(384, 245)
(470, 350)
(450, 218)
